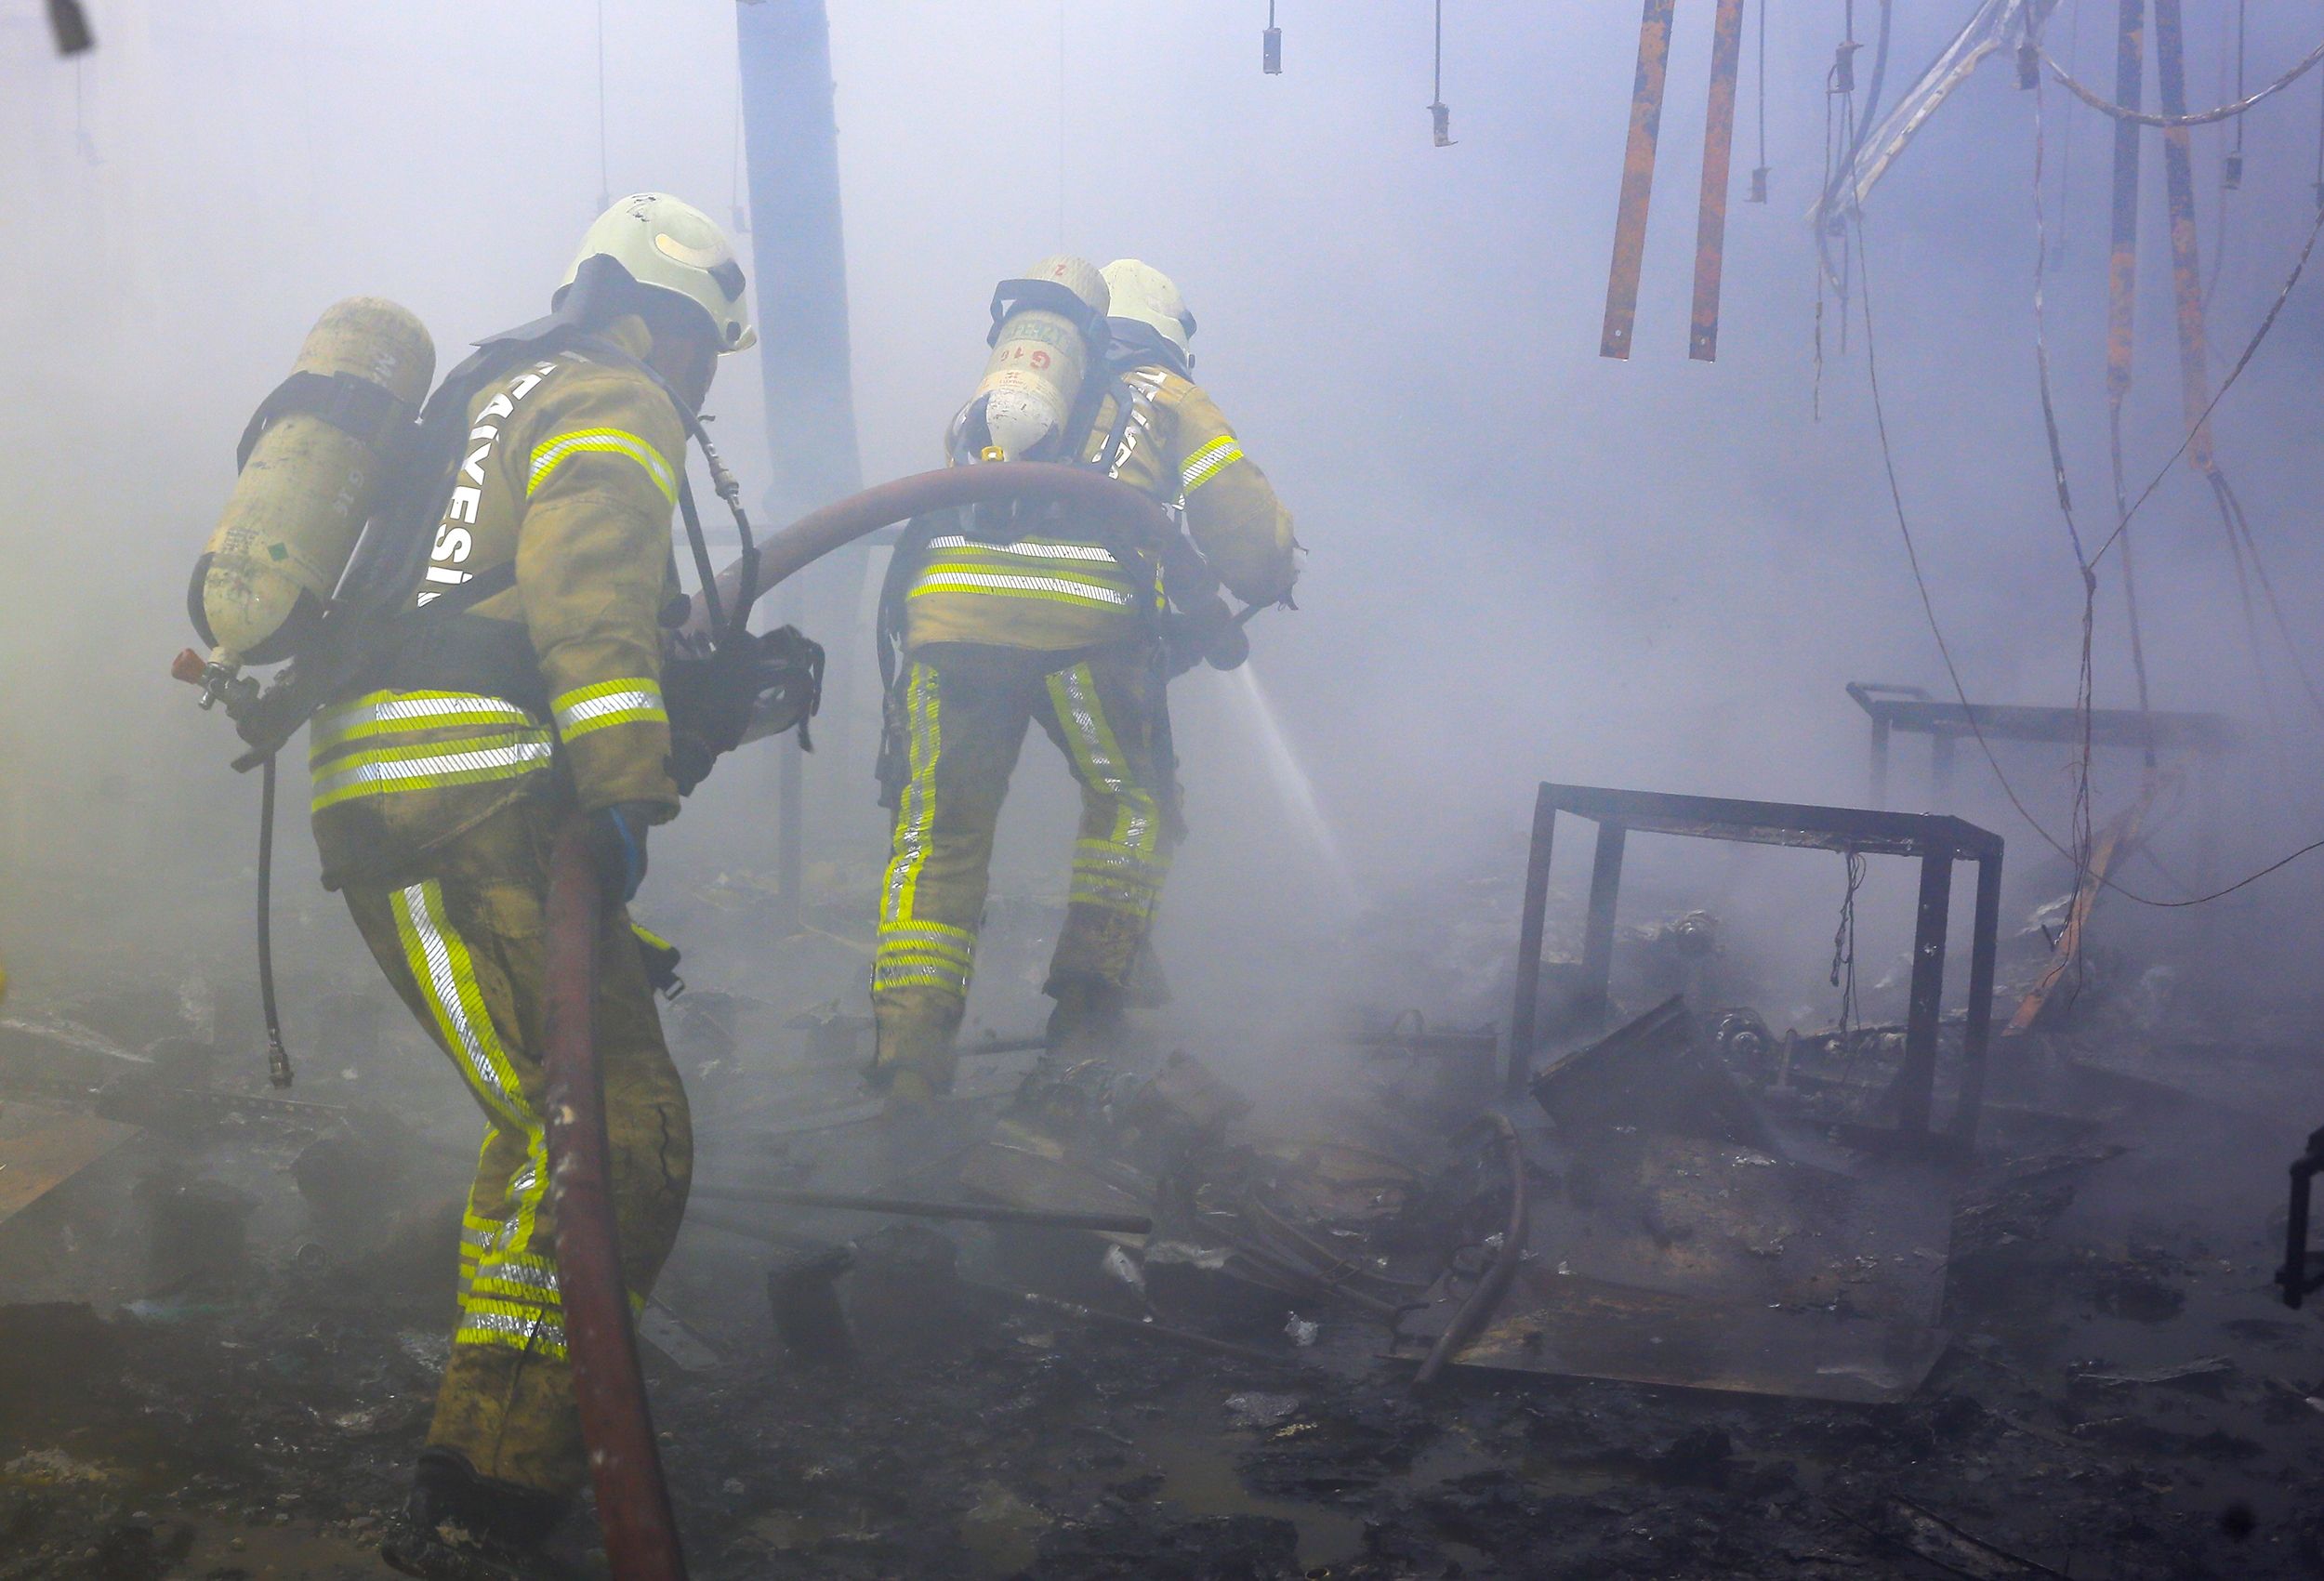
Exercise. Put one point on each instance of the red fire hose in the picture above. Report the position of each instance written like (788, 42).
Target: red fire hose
(819, 532)
(633, 1502)
(632, 1499)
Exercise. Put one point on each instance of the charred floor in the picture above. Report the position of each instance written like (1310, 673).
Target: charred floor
(1740, 1336)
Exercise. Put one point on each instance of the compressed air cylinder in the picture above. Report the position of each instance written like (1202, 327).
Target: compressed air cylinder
(307, 487)
(1039, 359)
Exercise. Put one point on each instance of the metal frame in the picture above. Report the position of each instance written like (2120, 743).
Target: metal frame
(1938, 841)
(1910, 709)
(2293, 1279)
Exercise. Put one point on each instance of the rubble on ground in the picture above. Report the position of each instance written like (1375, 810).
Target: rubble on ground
(1732, 1345)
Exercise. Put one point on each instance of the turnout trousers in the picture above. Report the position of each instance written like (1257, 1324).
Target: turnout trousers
(965, 707)
(463, 940)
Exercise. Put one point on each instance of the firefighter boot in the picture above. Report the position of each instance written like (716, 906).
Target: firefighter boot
(1086, 1023)
(460, 1526)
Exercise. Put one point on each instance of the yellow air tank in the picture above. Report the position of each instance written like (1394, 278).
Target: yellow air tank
(1040, 355)
(313, 471)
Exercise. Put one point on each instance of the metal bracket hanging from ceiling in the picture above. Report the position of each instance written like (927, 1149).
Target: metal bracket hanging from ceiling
(1987, 30)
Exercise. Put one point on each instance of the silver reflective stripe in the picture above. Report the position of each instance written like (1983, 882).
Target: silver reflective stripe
(955, 581)
(543, 1329)
(1079, 687)
(1034, 551)
(477, 1043)
(1210, 460)
(408, 769)
(916, 809)
(612, 702)
(471, 710)
(542, 1283)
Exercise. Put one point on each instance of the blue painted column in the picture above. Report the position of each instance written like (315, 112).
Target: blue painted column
(791, 140)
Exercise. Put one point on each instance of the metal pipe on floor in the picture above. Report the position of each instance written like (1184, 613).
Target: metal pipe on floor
(1489, 1289)
(1161, 1333)
(975, 1212)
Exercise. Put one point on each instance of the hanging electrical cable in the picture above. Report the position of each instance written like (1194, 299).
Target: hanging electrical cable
(2319, 154)
(2065, 141)
(2230, 164)
(2241, 525)
(2231, 168)
(1840, 85)
(1936, 629)
(2194, 360)
(1759, 171)
(1843, 950)
(2130, 64)
(2085, 685)
(1853, 124)
(2199, 118)
(604, 179)
(2250, 349)
(1439, 116)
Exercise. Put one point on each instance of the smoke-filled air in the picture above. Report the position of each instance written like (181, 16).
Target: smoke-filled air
(1227, 791)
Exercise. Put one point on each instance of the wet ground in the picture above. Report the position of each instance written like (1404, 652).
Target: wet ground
(213, 1366)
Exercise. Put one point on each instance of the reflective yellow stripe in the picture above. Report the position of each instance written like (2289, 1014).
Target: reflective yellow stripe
(1106, 875)
(445, 972)
(626, 700)
(916, 807)
(432, 765)
(1208, 462)
(1053, 589)
(1038, 568)
(932, 938)
(1125, 871)
(1030, 549)
(930, 954)
(519, 1325)
(552, 454)
(517, 1276)
(381, 713)
(506, 1292)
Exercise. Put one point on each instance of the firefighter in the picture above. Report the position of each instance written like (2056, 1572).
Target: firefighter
(525, 683)
(1058, 626)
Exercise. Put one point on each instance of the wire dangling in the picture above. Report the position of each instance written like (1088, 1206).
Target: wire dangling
(1843, 950)
(1759, 171)
(1439, 116)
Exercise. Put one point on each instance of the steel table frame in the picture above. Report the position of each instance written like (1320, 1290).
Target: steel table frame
(1937, 840)
(1910, 708)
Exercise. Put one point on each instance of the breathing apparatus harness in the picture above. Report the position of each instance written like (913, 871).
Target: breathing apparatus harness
(1184, 621)
(714, 686)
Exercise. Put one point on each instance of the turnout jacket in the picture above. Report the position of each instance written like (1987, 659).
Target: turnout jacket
(1061, 588)
(552, 684)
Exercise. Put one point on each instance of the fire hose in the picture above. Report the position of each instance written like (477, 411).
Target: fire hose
(633, 1500)
(1473, 1312)
(784, 554)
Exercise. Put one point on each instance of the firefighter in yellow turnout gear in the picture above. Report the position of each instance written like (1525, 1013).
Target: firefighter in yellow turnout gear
(1056, 626)
(527, 684)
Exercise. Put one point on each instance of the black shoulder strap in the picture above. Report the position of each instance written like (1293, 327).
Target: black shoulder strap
(372, 412)
(1110, 457)
(470, 593)
(903, 565)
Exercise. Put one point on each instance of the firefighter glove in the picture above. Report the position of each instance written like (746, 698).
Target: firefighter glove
(761, 685)
(618, 839)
